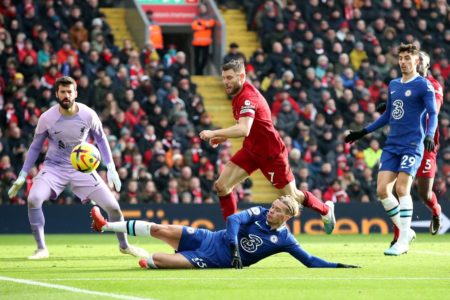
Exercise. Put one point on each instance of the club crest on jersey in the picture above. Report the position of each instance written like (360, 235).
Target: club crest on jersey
(408, 93)
(251, 243)
(274, 239)
(254, 211)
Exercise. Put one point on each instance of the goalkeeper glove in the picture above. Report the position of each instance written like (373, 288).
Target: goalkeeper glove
(113, 176)
(429, 143)
(355, 135)
(17, 184)
(236, 261)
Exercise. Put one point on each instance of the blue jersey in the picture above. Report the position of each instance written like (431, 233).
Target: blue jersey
(407, 106)
(249, 230)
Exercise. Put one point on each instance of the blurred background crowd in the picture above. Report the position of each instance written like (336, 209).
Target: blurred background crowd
(323, 67)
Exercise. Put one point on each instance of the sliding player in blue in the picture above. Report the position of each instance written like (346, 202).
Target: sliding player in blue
(410, 98)
(251, 235)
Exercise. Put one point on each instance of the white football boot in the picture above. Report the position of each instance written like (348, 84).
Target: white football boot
(399, 247)
(329, 220)
(39, 254)
(135, 251)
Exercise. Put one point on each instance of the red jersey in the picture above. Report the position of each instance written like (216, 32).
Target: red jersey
(263, 139)
(439, 95)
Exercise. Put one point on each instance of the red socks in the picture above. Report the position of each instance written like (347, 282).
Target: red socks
(396, 232)
(228, 205)
(433, 205)
(315, 203)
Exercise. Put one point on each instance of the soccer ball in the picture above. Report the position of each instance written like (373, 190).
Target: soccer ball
(85, 157)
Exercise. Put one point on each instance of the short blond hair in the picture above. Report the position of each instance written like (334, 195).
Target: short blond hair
(291, 205)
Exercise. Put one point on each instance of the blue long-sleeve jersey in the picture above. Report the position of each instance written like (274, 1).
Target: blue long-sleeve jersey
(407, 106)
(249, 230)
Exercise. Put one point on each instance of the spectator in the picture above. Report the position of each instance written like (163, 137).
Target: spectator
(202, 38)
(234, 53)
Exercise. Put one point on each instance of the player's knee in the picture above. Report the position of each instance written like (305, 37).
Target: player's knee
(221, 188)
(34, 200)
(382, 192)
(157, 230)
(159, 260)
(401, 190)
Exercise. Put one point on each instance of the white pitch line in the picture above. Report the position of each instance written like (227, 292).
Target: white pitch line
(247, 278)
(70, 289)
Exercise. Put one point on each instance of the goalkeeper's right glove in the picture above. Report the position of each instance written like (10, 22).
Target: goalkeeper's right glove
(355, 135)
(236, 261)
(17, 184)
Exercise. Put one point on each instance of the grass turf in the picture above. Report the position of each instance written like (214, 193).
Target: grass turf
(93, 263)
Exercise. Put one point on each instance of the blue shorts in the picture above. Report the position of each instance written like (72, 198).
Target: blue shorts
(402, 162)
(204, 248)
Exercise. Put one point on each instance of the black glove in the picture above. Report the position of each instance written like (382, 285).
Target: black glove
(236, 261)
(339, 265)
(429, 143)
(381, 107)
(355, 135)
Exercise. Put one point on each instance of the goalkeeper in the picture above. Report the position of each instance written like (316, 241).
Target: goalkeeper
(251, 235)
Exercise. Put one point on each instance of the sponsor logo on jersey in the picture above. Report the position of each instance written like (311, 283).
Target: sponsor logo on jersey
(251, 243)
(248, 107)
(397, 112)
(190, 230)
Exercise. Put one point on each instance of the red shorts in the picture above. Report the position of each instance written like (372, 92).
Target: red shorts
(275, 169)
(427, 168)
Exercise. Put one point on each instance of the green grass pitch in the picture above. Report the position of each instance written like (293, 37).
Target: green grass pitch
(90, 267)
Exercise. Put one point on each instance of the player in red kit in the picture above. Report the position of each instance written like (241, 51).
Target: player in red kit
(262, 148)
(427, 170)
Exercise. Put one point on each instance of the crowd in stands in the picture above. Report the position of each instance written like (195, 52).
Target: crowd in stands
(323, 66)
(146, 101)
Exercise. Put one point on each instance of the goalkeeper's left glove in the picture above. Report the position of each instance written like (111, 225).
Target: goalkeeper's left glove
(429, 143)
(113, 176)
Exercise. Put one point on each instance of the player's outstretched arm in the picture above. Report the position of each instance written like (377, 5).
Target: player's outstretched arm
(312, 261)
